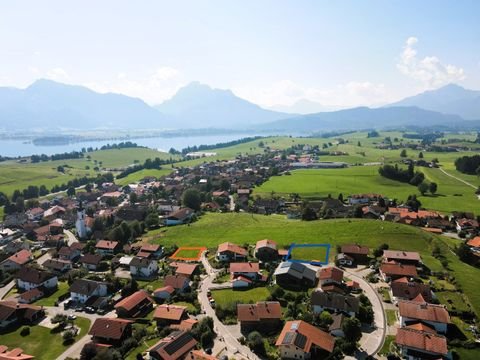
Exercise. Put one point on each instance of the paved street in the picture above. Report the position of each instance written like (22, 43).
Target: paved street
(224, 335)
(4, 290)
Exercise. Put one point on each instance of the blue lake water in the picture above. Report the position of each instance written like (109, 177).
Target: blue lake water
(15, 148)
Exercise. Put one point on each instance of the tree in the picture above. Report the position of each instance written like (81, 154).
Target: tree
(191, 198)
(133, 198)
(433, 188)
(359, 144)
(420, 155)
(325, 319)
(403, 153)
(352, 329)
(309, 214)
(423, 188)
(152, 220)
(255, 342)
(340, 197)
(71, 191)
(463, 252)
(68, 337)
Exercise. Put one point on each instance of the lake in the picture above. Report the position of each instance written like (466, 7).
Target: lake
(14, 148)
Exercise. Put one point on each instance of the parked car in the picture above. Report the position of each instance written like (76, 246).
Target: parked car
(72, 316)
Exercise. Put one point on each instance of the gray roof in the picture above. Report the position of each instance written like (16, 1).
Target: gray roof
(335, 301)
(296, 270)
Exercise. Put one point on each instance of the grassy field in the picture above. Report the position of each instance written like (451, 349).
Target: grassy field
(318, 254)
(227, 296)
(42, 343)
(213, 229)
(139, 175)
(391, 317)
(453, 300)
(15, 175)
(452, 194)
(387, 344)
(50, 300)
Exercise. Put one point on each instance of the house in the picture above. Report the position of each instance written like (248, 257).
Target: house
(14, 354)
(241, 282)
(266, 250)
(403, 289)
(395, 271)
(295, 274)
(106, 331)
(82, 289)
(30, 278)
(345, 260)
(336, 328)
(35, 214)
(220, 194)
(178, 282)
(13, 313)
(16, 261)
(402, 257)
(54, 212)
(246, 269)
(70, 253)
(91, 261)
(169, 314)
(143, 267)
(474, 244)
(164, 293)
(433, 315)
(357, 252)
(466, 225)
(175, 346)
(263, 316)
(300, 340)
(30, 296)
(416, 344)
(334, 302)
(150, 251)
(57, 265)
(179, 217)
(330, 275)
(356, 199)
(199, 355)
(135, 305)
(107, 247)
(231, 252)
(184, 269)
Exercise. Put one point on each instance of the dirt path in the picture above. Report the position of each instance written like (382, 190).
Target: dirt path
(456, 178)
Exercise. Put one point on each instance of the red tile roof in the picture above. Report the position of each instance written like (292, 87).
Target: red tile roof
(169, 312)
(354, 249)
(475, 242)
(331, 273)
(244, 267)
(260, 311)
(133, 300)
(399, 270)
(401, 255)
(109, 328)
(424, 311)
(169, 289)
(22, 257)
(266, 243)
(199, 355)
(185, 269)
(14, 354)
(313, 335)
(232, 248)
(106, 244)
(173, 347)
(422, 327)
(176, 281)
(423, 341)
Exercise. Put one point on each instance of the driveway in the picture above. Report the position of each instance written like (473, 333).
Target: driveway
(4, 290)
(71, 238)
(371, 341)
(228, 340)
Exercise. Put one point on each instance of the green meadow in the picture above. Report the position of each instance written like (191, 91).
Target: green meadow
(213, 229)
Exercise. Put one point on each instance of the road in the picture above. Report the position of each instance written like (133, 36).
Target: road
(234, 348)
(373, 341)
(71, 238)
(4, 290)
(456, 178)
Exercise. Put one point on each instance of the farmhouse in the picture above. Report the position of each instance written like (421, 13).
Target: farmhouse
(30, 278)
(246, 269)
(395, 271)
(228, 252)
(433, 315)
(135, 305)
(262, 316)
(416, 344)
(334, 302)
(300, 340)
(175, 346)
(295, 274)
(108, 331)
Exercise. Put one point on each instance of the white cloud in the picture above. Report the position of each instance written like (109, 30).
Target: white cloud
(57, 74)
(287, 92)
(430, 71)
(154, 88)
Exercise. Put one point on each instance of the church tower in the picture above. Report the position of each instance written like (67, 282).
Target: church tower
(80, 223)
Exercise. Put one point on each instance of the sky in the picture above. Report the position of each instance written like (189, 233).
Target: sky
(337, 53)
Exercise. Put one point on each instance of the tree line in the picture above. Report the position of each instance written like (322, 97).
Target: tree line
(63, 156)
(219, 145)
(468, 164)
(148, 164)
(397, 173)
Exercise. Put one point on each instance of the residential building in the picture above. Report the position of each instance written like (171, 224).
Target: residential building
(107, 247)
(13, 313)
(294, 274)
(57, 265)
(402, 257)
(169, 314)
(143, 267)
(179, 217)
(403, 289)
(175, 346)
(164, 293)
(184, 269)
(82, 290)
(107, 331)
(416, 344)
(264, 316)
(433, 315)
(334, 302)
(329, 275)
(29, 278)
(178, 282)
(231, 252)
(14, 354)
(136, 305)
(249, 270)
(266, 250)
(393, 271)
(357, 252)
(16, 261)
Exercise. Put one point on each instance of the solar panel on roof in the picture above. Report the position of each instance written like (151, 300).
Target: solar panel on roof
(287, 339)
(294, 326)
(178, 343)
(300, 341)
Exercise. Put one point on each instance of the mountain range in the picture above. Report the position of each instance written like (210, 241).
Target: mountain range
(50, 105)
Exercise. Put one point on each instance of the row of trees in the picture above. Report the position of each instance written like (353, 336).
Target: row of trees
(468, 164)
(63, 156)
(219, 145)
(397, 173)
(148, 164)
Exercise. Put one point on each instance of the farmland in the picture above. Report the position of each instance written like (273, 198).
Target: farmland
(213, 229)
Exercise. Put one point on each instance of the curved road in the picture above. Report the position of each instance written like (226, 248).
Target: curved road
(234, 348)
(371, 342)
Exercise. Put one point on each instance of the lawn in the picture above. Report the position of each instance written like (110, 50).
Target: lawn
(153, 285)
(309, 253)
(215, 228)
(391, 316)
(188, 253)
(50, 300)
(190, 307)
(389, 339)
(314, 183)
(41, 343)
(453, 301)
(228, 296)
(144, 345)
(139, 175)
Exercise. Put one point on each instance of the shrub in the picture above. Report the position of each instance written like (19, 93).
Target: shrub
(25, 331)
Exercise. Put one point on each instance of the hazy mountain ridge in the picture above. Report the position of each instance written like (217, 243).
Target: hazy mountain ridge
(199, 106)
(449, 99)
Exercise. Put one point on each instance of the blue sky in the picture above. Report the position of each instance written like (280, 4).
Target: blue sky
(342, 53)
